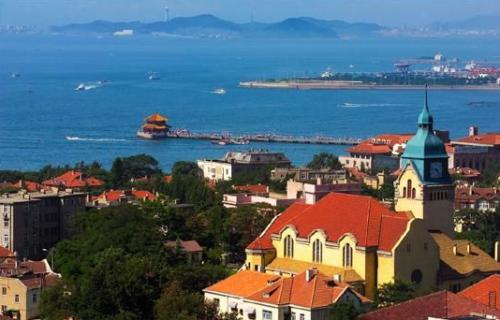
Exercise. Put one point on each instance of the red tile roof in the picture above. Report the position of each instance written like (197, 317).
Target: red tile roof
(370, 148)
(114, 196)
(486, 291)
(356, 174)
(381, 144)
(465, 172)
(473, 194)
(442, 304)
(4, 252)
(187, 246)
(487, 139)
(252, 188)
(337, 214)
(73, 179)
(319, 292)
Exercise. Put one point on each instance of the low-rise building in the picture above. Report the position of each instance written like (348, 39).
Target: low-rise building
(476, 151)
(378, 153)
(476, 198)
(21, 286)
(117, 197)
(190, 248)
(236, 163)
(307, 296)
(440, 305)
(37, 220)
(307, 174)
(73, 180)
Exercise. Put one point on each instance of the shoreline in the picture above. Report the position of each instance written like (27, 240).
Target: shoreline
(356, 85)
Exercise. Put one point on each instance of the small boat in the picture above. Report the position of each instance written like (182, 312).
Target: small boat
(81, 87)
(153, 76)
(85, 87)
(15, 75)
(240, 141)
(219, 91)
(327, 73)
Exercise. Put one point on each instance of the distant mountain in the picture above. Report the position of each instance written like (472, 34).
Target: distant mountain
(209, 25)
(299, 27)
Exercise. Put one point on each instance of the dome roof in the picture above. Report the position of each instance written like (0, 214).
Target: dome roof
(425, 145)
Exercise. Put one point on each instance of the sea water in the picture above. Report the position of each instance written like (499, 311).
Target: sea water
(44, 120)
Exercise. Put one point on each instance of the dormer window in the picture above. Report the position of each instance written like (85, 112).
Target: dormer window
(288, 247)
(317, 251)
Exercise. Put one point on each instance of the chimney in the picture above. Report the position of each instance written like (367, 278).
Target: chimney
(319, 181)
(473, 131)
(469, 248)
(497, 251)
(310, 274)
(455, 249)
(337, 277)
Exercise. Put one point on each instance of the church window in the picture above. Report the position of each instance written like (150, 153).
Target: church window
(317, 251)
(432, 196)
(347, 255)
(404, 192)
(413, 193)
(408, 188)
(416, 276)
(288, 247)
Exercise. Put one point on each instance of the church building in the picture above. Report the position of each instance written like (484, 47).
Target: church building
(358, 240)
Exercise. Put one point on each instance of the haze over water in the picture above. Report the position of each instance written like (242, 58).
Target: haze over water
(40, 108)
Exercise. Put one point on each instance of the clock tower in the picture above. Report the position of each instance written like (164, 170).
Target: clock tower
(424, 185)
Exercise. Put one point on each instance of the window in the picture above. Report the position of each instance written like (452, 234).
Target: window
(4, 291)
(302, 316)
(35, 298)
(404, 192)
(408, 188)
(347, 256)
(216, 302)
(317, 251)
(416, 276)
(413, 193)
(288, 247)
(293, 316)
(267, 315)
(16, 298)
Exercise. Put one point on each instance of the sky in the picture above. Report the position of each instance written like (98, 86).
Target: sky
(386, 12)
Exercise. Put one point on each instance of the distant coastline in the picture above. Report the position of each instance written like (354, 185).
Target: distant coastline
(355, 85)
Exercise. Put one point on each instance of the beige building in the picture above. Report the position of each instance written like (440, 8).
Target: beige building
(21, 286)
(35, 221)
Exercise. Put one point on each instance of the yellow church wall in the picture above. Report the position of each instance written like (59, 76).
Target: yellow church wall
(385, 270)
(257, 260)
(417, 250)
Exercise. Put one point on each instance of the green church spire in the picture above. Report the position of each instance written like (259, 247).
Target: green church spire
(425, 119)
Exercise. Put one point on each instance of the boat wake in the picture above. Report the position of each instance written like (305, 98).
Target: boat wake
(74, 138)
(370, 105)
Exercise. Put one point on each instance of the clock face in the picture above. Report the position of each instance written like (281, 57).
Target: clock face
(436, 170)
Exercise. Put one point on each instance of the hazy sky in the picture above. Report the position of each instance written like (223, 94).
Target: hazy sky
(388, 12)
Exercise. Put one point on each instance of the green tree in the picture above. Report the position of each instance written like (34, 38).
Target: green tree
(324, 160)
(395, 292)
(177, 304)
(343, 311)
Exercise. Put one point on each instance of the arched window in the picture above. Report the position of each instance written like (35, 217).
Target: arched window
(288, 247)
(347, 256)
(416, 276)
(317, 251)
(408, 188)
(404, 192)
(413, 193)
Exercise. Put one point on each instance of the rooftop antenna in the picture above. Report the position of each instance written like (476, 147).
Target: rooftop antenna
(166, 18)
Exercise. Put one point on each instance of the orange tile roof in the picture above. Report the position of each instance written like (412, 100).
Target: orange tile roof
(488, 139)
(381, 144)
(73, 179)
(320, 291)
(113, 196)
(242, 284)
(486, 291)
(143, 195)
(156, 117)
(4, 252)
(337, 214)
(370, 148)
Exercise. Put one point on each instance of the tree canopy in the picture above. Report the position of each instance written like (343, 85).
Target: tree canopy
(324, 160)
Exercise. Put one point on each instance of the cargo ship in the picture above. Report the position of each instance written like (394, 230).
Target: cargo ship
(155, 127)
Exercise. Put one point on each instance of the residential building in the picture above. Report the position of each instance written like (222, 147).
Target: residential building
(366, 244)
(476, 198)
(253, 188)
(117, 197)
(35, 221)
(190, 248)
(378, 153)
(465, 175)
(73, 180)
(236, 163)
(476, 151)
(307, 174)
(435, 306)
(22, 285)
(259, 296)
(486, 292)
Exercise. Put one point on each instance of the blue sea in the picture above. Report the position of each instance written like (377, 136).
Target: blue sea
(39, 109)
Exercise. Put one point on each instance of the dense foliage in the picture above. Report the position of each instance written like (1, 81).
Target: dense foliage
(395, 292)
(325, 161)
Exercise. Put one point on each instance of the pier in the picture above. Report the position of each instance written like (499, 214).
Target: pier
(270, 138)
